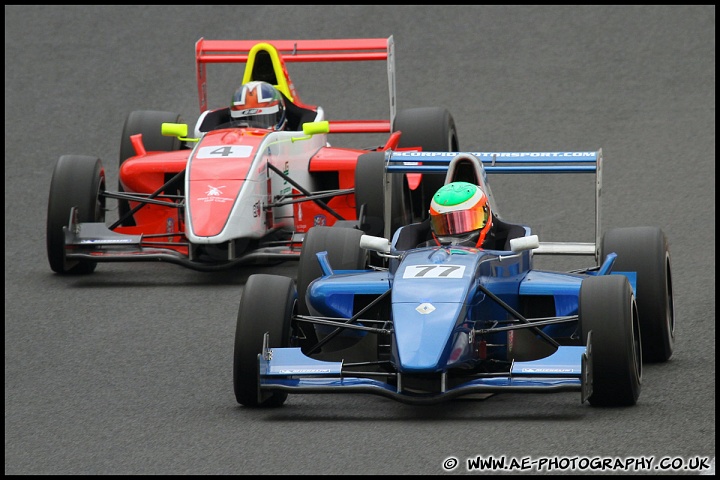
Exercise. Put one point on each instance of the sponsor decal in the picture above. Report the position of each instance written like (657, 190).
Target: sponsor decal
(546, 370)
(498, 154)
(100, 241)
(425, 308)
(319, 220)
(303, 370)
(214, 194)
(214, 191)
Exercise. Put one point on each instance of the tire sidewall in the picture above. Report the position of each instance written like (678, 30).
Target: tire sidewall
(267, 305)
(77, 181)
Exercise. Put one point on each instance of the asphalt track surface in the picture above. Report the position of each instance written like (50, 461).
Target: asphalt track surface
(129, 370)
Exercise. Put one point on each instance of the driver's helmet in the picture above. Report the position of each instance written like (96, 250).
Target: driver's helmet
(258, 105)
(460, 214)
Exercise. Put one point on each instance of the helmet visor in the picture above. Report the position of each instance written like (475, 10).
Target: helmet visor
(459, 221)
(264, 117)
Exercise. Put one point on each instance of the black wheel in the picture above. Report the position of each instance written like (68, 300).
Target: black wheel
(77, 181)
(370, 195)
(433, 129)
(645, 250)
(608, 310)
(344, 253)
(149, 124)
(267, 305)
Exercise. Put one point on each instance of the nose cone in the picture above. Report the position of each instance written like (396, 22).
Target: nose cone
(423, 333)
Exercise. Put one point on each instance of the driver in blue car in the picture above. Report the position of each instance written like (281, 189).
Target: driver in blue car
(460, 215)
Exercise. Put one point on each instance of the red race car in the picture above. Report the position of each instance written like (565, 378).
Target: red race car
(251, 178)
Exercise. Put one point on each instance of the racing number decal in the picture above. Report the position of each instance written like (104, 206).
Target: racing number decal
(434, 271)
(225, 151)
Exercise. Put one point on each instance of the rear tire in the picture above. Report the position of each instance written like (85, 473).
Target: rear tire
(77, 181)
(344, 253)
(267, 305)
(645, 250)
(432, 129)
(370, 193)
(607, 309)
(149, 124)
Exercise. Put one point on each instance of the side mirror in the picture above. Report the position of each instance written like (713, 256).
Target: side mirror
(376, 244)
(524, 243)
(313, 128)
(179, 130)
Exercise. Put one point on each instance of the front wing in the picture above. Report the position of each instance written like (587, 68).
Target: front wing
(289, 370)
(97, 243)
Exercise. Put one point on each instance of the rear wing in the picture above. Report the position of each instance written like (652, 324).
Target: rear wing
(514, 163)
(266, 60)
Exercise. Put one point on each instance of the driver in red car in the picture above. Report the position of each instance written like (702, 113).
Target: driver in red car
(259, 105)
(255, 104)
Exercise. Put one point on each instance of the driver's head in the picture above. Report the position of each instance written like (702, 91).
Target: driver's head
(259, 105)
(460, 214)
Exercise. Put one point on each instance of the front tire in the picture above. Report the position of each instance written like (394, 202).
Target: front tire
(77, 181)
(267, 305)
(149, 124)
(645, 250)
(607, 309)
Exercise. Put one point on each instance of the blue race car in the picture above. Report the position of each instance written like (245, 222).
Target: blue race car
(422, 323)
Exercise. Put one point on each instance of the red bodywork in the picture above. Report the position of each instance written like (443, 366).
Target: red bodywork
(188, 197)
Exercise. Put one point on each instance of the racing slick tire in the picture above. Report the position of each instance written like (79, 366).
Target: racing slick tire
(344, 253)
(267, 305)
(432, 129)
(77, 181)
(148, 123)
(607, 308)
(370, 194)
(645, 250)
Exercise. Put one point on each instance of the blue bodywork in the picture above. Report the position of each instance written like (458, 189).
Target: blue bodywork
(458, 321)
(444, 322)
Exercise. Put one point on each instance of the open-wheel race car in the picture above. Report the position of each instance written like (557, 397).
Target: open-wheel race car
(420, 322)
(234, 192)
